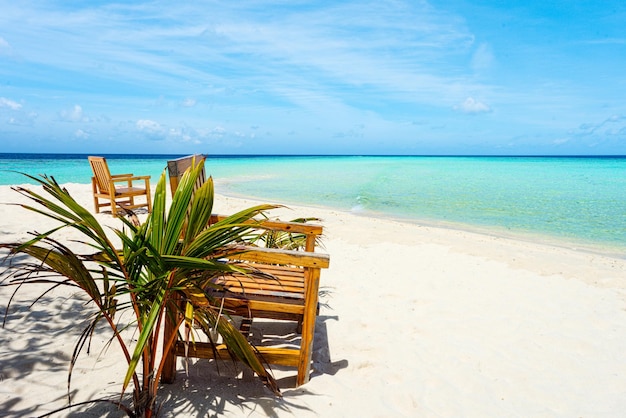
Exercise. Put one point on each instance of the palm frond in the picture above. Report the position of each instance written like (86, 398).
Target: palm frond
(171, 255)
(287, 240)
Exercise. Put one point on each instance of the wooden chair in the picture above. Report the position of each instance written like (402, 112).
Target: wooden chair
(289, 291)
(176, 169)
(103, 187)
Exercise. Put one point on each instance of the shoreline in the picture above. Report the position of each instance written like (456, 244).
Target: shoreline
(422, 321)
(509, 249)
(588, 246)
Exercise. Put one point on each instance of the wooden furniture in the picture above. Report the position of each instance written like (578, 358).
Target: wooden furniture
(103, 187)
(176, 169)
(288, 290)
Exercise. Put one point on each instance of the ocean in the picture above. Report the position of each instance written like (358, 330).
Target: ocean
(572, 201)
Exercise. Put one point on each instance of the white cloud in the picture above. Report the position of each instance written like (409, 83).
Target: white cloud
(613, 127)
(218, 131)
(607, 41)
(149, 126)
(73, 115)
(22, 118)
(9, 103)
(561, 141)
(81, 134)
(483, 58)
(305, 50)
(184, 134)
(153, 130)
(473, 106)
(5, 48)
(181, 134)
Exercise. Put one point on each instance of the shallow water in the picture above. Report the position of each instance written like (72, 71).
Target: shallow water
(575, 199)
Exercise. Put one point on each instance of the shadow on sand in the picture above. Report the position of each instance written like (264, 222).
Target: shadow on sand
(208, 388)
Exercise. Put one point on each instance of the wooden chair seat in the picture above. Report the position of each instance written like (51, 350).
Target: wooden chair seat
(276, 294)
(130, 191)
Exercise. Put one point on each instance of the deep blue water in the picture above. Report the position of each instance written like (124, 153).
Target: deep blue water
(575, 199)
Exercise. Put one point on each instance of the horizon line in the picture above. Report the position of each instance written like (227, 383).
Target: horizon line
(106, 154)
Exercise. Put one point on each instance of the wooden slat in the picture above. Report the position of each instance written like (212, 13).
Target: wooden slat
(284, 284)
(236, 284)
(251, 291)
(272, 355)
(280, 256)
(264, 308)
(295, 227)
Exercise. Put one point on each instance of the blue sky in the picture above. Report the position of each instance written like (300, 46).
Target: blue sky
(328, 77)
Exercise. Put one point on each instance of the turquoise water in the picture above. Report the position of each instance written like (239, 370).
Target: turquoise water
(577, 200)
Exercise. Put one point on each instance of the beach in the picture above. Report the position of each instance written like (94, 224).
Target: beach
(415, 321)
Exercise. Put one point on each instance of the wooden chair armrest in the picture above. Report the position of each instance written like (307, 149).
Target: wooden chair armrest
(118, 179)
(121, 175)
(279, 256)
(296, 227)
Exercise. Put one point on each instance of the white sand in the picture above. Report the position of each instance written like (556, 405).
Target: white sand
(418, 322)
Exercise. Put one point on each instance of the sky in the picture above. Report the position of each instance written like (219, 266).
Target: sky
(492, 77)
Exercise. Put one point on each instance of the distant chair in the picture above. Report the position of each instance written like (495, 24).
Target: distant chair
(103, 187)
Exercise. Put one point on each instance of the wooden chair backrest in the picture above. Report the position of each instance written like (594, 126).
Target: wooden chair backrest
(176, 169)
(101, 173)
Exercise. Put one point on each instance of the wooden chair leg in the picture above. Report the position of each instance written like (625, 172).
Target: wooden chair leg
(94, 191)
(306, 352)
(299, 326)
(244, 327)
(169, 331)
(113, 207)
(169, 368)
(308, 329)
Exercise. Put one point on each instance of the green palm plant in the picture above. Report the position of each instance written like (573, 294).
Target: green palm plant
(171, 255)
(286, 240)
